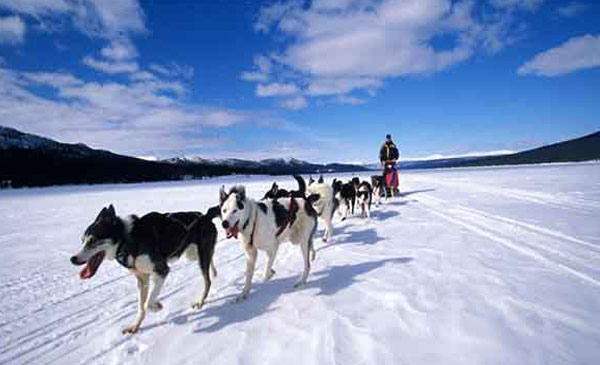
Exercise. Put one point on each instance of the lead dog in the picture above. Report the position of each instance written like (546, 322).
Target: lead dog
(145, 245)
(265, 225)
(325, 205)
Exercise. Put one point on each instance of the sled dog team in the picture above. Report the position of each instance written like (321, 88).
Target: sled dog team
(146, 245)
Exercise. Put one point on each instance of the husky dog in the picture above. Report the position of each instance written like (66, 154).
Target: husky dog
(378, 188)
(264, 225)
(325, 205)
(346, 196)
(364, 197)
(145, 245)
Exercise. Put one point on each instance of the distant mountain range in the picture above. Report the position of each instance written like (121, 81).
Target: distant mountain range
(585, 148)
(30, 160)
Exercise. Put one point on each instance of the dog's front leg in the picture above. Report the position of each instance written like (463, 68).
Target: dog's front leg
(142, 285)
(251, 254)
(158, 279)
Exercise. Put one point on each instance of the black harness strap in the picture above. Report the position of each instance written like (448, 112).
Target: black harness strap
(291, 217)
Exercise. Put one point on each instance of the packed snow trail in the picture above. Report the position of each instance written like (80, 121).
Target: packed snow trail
(469, 266)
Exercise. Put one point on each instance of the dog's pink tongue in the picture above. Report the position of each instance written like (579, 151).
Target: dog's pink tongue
(87, 272)
(92, 266)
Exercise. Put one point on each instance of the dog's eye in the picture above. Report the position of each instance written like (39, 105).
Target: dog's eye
(234, 211)
(224, 211)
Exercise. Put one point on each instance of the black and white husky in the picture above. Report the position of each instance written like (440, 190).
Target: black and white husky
(379, 190)
(264, 225)
(346, 196)
(325, 205)
(145, 245)
(364, 197)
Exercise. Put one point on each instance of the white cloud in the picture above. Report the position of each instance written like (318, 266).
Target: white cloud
(296, 103)
(576, 54)
(347, 99)
(571, 9)
(276, 89)
(119, 50)
(101, 18)
(12, 30)
(108, 18)
(262, 67)
(139, 118)
(333, 86)
(111, 67)
(223, 118)
(173, 70)
(335, 47)
(36, 8)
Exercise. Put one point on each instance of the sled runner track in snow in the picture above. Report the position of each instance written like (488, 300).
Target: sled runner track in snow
(552, 200)
(432, 205)
(535, 228)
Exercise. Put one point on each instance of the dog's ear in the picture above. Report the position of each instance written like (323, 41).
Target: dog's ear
(240, 192)
(103, 213)
(111, 211)
(213, 212)
(222, 195)
(240, 196)
(274, 187)
(321, 179)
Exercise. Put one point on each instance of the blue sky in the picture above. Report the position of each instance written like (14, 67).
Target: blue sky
(319, 80)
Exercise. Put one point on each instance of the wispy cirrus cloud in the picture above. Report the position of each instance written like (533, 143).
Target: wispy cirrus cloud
(576, 54)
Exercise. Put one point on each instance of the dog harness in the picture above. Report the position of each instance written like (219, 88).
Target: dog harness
(291, 217)
(253, 226)
(123, 251)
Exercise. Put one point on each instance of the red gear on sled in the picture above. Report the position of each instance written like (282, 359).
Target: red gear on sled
(390, 177)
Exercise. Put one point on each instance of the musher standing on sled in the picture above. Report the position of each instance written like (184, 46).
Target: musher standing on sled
(388, 155)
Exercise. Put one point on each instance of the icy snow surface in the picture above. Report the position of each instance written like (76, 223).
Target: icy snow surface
(468, 266)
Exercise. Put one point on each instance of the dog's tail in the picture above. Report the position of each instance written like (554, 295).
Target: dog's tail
(301, 183)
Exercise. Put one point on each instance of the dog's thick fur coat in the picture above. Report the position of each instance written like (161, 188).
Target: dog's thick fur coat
(265, 225)
(145, 246)
(325, 205)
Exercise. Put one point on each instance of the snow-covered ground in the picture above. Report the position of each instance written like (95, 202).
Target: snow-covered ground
(469, 266)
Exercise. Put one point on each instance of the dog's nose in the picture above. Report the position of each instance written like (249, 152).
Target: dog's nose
(74, 260)
(225, 224)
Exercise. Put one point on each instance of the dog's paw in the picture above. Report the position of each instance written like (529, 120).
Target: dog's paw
(155, 307)
(269, 275)
(241, 297)
(130, 329)
(197, 305)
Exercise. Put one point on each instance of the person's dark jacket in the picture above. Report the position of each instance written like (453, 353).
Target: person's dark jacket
(388, 152)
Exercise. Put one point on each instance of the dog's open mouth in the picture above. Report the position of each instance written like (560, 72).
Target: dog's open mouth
(92, 266)
(233, 230)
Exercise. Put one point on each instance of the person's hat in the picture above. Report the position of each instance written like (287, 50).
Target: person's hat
(388, 136)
